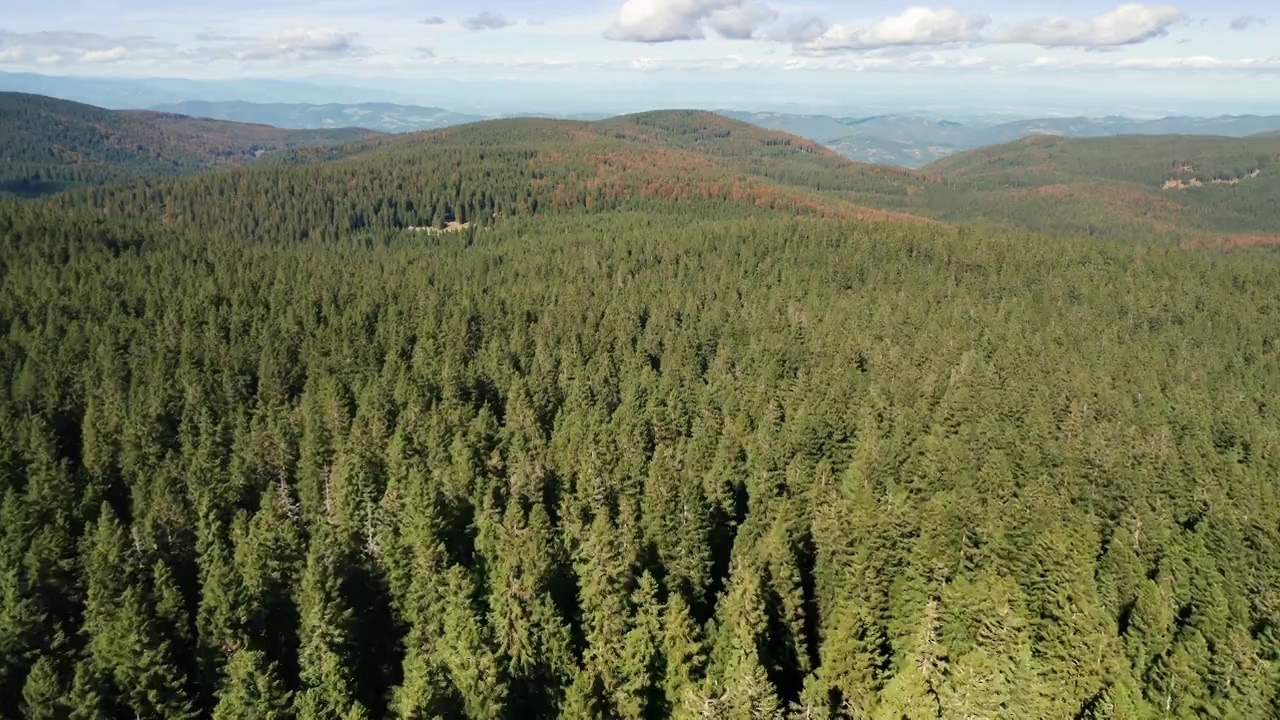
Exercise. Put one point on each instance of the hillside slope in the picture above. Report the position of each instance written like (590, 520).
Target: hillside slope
(1172, 188)
(688, 458)
(1185, 186)
(914, 141)
(479, 173)
(47, 145)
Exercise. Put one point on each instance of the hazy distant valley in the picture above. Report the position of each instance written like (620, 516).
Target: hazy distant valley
(914, 141)
(909, 141)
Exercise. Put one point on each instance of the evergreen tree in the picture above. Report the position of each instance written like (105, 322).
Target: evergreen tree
(252, 690)
(325, 656)
(42, 694)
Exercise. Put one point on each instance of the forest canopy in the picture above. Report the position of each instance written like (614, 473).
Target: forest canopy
(266, 452)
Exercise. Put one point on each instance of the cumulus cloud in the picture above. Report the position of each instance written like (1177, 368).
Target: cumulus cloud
(433, 20)
(656, 21)
(62, 48)
(742, 21)
(1126, 25)
(486, 21)
(1244, 22)
(292, 45)
(71, 48)
(947, 26)
(804, 30)
(214, 36)
(915, 26)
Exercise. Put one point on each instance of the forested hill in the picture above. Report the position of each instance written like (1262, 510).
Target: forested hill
(1170, 186)
(47, 145)
(1140, 160)
(476, 175)
(1181, 189)
(649, 418)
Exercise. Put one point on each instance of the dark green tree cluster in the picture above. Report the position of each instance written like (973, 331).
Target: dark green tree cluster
(631, 465)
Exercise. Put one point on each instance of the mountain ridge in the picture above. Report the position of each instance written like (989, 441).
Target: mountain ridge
(51, 144)
(526, 166)
(383, 117)
(1184, 189)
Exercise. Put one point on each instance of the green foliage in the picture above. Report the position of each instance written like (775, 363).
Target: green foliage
(251, 690)
(1167, 186)
(270, 453)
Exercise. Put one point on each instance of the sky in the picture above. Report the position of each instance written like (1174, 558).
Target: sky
(966, 57)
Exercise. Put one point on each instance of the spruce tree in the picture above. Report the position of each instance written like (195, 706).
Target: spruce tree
(251, 689)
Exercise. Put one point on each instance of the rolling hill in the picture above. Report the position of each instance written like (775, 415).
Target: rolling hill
(47, 145)
(1171, 188)
(914, 141)
(1188, 187)
(383, 117)
(478, 173)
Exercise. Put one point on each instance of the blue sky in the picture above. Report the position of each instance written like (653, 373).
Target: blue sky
(1088, 56)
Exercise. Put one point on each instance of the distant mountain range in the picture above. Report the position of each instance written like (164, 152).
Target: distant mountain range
(385, 117)
(912, 141)
(904, 140)
(1187, 188)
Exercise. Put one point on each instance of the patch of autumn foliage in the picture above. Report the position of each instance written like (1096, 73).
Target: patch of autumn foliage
(1232, 241)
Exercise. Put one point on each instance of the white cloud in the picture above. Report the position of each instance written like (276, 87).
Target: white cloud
(804, 30)
(77, 48)
(655, 21)
(1126, 25)
(915, 26)
(486, 21)
(61, 48)
(947, 26)
(115, 54)
(292, 45)
(433, 20)
(742, 21)
(1244, 22)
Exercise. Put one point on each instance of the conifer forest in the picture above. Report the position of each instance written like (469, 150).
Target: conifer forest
(656, 421)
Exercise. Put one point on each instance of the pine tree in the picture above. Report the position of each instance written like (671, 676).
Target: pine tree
(604, 579)
(528, 630)
(426, 690)
(740, 683)
(252, 690)
(325, 656)
(468, 654)
(219, 619)
(90, 696)
(640, 667)
(121, 621)
(42, 694)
